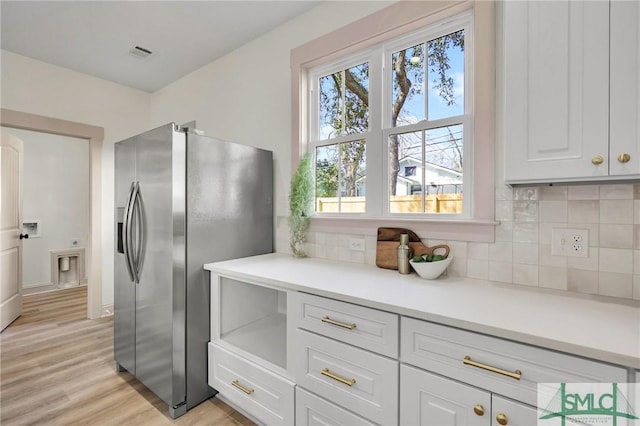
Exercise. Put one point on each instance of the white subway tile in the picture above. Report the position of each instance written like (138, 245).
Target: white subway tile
(616, 211)
(615, 284)
(616, 236)
(553, 277)
(583, 192)
(616, 260)
(622, 191)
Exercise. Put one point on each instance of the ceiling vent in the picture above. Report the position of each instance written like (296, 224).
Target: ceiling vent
(140, 52)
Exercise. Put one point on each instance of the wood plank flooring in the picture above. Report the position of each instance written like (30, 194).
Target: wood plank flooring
(57, 368)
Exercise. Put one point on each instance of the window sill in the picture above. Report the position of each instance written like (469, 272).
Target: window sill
(445, 229)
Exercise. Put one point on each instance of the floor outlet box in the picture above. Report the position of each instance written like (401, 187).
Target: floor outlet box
(570, 242)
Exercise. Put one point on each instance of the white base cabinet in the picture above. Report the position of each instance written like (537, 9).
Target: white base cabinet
(337, 360)
(248, 349)
(284, 357)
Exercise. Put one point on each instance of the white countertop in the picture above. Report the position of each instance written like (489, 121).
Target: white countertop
(586, 326)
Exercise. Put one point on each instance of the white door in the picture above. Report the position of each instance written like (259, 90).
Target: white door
(556, 90)
(625, 89)
(10, 230)
(512, 413)
(427, 399)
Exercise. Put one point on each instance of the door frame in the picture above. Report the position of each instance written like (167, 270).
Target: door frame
(95, 136)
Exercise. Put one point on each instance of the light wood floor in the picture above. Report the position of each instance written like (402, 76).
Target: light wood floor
(57, 368)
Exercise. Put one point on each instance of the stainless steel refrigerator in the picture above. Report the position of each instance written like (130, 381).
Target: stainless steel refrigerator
(181, 200)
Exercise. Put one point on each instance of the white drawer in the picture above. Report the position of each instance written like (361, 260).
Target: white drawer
(256, 390)
(364, 382)
(356, 325)
(443, 349)
(311, 410)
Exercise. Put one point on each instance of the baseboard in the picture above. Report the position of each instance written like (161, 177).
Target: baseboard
(45, 288)
(39, 288)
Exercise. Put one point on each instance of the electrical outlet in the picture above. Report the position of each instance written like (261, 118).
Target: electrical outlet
(570, 242)
(356, 244)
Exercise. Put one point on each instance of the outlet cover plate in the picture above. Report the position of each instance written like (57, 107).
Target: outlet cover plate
(356, 244)
(570, 242)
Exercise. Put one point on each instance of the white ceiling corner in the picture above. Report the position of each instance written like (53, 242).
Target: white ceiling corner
(95, 36)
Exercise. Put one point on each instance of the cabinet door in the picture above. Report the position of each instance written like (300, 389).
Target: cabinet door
(507, 412)
(625, 88)
(311, 410)
(430, 400)
(556, 90)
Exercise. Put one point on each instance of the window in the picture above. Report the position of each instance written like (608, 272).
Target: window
(393, 120)
(372, 40)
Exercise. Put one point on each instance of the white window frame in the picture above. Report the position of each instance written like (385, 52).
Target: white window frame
(313, 128)
(388, 23)
(460, 22)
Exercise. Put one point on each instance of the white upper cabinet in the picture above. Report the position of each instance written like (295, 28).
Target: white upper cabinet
(556, 96)
(625, 88)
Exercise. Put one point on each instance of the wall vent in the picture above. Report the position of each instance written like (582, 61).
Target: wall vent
(140, 52)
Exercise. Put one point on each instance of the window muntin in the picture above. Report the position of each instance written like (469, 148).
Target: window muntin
(433, 106)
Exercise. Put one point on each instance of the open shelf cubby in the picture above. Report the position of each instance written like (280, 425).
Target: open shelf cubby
(253, 318)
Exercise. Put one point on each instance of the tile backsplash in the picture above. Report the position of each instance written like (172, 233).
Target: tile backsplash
(521, 253)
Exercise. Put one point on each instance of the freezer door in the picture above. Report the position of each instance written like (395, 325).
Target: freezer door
(160, 309)
(124, 288)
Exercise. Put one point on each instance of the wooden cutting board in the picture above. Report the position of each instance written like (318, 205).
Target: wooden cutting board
(388, 242)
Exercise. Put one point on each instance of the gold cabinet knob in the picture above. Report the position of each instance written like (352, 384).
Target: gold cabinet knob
(479, 410)
(502, 419)
(597, 160)
(624, 157)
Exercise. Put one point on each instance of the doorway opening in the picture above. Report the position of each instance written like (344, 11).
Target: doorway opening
(95, 136)
(55, 210)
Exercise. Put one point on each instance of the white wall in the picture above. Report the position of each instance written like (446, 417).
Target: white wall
(245, 96)
(55, 191)
(35, 87)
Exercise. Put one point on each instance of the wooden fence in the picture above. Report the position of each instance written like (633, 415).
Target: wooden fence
(435, 203)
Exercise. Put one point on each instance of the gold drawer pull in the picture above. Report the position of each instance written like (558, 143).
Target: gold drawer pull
(502, 419)
(515, 375)
(326, 372)
(597, 160)
(338, 323)
(237, 384)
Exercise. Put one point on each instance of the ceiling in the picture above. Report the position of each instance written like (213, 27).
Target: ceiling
(95, 37)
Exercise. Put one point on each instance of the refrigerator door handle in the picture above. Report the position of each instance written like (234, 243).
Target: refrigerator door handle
(126, 231)
(141, 240)
(130, 243)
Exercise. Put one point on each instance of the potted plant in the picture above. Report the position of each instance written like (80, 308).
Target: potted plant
(300, 205)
